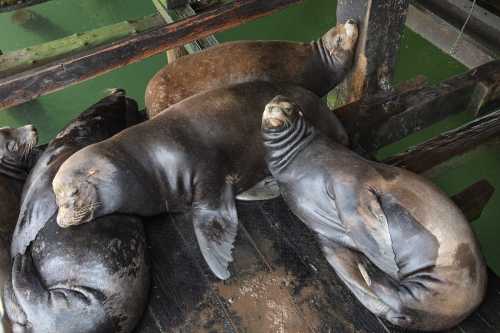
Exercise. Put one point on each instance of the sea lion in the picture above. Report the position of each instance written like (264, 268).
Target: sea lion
(16, 159)
(318, 66)
(92, 278)
(192, 158)
(397, 241)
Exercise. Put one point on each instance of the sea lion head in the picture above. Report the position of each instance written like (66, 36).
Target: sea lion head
(281, 112)
(17, 143)
(340, 42)
(83, 188)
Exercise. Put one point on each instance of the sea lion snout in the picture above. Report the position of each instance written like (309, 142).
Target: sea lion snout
(340, 42)
(77, 205)
(17, 143)
(280, 111)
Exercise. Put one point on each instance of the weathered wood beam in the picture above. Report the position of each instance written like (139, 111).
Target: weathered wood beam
(387, 118)
(380, 24)
(34, 56)
(44, 79)
(10, 5)
(437, 30)
(482, 25)
(474, 198)
(453, 143)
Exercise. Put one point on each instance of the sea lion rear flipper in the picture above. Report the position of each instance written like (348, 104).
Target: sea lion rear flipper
(266, 189)
(350, 267)
(58, 309)
(215, 226)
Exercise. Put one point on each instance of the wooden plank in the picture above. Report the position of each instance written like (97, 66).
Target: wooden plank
(443, 35)
(380, 24)
(280, 280)
(33, 56)
(474, 198)
(11, 5)
(387, 118)
(445, 146)
(44, 79)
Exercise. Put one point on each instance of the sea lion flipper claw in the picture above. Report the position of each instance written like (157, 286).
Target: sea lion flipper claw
(266, 189)
(215, 226)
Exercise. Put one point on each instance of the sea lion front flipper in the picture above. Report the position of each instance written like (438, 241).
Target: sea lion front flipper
(56, 309)
(266, 189)
(215, 226)
(364, 217)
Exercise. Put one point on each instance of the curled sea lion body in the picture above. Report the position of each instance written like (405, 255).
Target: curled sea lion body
(318, 66)
(93, 278)
(192, 158)
(399, 243)
(16, 159)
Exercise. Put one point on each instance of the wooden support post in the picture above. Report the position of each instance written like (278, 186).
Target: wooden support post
(380, 24)
(41, 80)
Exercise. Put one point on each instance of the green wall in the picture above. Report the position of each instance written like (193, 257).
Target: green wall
(304, 22)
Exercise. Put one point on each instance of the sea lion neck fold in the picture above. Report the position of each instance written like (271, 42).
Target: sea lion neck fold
(286, 142)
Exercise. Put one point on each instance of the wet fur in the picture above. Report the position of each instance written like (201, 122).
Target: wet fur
(93, 278)
(193, 158)
(398, 242)
(318, 66)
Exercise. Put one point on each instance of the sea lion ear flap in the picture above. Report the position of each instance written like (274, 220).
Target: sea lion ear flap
(215, 226)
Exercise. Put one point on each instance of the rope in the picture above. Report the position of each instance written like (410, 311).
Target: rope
(453, 48)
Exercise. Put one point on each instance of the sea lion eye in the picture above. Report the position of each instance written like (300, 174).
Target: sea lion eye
(74, 192)
(12, 146)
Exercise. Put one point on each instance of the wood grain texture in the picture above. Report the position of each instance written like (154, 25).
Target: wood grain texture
(25, 86)
(445, 146)
(389, 117)
(280, 280)
(381, 24)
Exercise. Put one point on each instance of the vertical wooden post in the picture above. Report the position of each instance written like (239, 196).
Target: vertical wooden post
(380, 24)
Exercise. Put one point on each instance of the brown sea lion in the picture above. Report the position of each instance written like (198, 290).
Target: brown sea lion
(193, 158)
(318, 66)
(16, 159)
(398, 242)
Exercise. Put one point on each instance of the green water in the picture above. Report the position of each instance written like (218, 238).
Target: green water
(58, 18)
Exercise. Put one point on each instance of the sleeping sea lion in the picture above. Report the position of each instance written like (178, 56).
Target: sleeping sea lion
(192, 158)
(318, 66)
(16, 159)
(92, 278)
(399, 244)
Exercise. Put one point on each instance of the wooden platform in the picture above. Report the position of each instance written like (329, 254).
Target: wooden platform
(281, 282)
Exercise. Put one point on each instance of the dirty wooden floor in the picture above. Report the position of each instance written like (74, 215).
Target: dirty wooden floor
(281, 283)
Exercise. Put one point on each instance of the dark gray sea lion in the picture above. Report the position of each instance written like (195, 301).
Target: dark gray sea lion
(16, 159)
(318, 66)
(92, 278)
(400, 244)
(192, 158)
